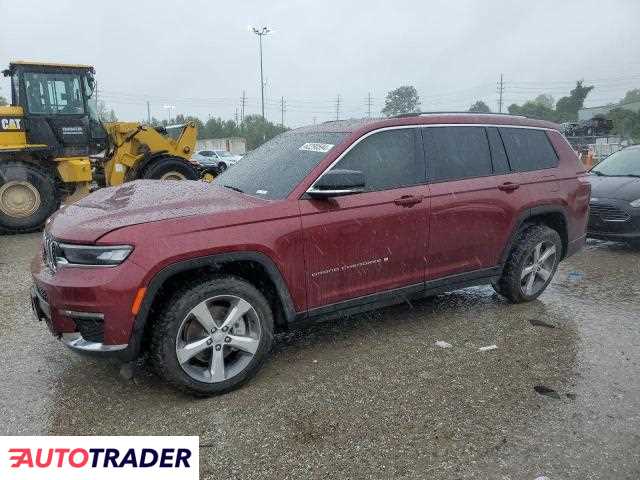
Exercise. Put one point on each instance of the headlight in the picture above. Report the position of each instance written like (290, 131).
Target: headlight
(636, 203)
(92, 255)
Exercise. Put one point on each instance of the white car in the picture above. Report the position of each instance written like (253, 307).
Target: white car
(220, 159)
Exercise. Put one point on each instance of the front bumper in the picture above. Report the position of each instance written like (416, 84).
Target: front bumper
(612, 219)
(74, 340)
(89, 309)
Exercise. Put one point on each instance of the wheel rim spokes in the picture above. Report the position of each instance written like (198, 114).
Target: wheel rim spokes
(218, 338)
(538, 270)
(19, 199)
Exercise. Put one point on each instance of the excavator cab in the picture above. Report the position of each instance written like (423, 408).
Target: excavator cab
(59, 107)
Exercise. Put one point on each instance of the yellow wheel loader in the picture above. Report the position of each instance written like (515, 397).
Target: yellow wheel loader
(54, 147)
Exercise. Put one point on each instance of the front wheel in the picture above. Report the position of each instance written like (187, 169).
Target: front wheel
(531, 265)
(222, 167)
(28, 195)
(213, 336)
(170, 168)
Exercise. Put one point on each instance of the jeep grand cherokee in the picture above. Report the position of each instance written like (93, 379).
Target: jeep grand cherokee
(324, 220)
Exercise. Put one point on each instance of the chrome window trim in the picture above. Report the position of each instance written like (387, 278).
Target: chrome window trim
(405, 127)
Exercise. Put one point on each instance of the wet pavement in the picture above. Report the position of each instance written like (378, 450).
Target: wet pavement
(372, 396)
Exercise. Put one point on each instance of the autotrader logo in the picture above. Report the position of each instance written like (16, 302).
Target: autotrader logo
(99, 457)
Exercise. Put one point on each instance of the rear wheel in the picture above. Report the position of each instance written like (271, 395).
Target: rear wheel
(170, 168)
(213, 336)
(531, 264)
(28, 195)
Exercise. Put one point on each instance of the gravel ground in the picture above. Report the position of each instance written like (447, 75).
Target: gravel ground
(372, 396)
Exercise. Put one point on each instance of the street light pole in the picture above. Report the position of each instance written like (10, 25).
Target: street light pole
(260, 32)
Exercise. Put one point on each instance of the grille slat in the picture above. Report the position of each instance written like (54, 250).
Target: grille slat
(608, 213)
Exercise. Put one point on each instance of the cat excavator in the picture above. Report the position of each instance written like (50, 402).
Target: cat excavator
(54, 148)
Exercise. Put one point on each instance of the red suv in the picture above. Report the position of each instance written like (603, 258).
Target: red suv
(331, 219)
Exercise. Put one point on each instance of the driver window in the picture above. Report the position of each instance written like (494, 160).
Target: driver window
(388, 160)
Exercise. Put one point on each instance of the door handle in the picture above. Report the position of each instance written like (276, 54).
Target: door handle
(408, 200)
(509, 186)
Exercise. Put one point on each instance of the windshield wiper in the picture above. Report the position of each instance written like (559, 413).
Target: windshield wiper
(598, 173)
(635, 175)
(235, 189)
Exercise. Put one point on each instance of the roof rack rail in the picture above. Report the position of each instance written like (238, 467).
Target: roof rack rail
(417, 114)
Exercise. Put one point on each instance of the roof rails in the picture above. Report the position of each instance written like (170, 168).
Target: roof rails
(417, 114)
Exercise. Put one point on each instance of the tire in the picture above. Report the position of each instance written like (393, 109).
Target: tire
(170, 168)
(28, 196)
(222, 167)
(178, 329)
(515, 283)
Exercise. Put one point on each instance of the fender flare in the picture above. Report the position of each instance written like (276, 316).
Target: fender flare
(167, 272)
(522, 220)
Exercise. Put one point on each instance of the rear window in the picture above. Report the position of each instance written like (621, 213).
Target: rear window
(528, 149)
(456, 152)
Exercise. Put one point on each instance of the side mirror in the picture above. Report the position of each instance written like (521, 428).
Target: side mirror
(336, 183)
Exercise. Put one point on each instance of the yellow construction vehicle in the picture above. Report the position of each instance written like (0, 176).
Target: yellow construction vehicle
(53, 145)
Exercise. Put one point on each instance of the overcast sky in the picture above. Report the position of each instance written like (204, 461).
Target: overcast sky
(199, 55)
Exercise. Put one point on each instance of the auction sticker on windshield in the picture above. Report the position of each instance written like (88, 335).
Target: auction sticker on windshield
(317, 147)
(98, 458)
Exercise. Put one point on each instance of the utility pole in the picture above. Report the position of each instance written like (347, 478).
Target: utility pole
(261, 32)
(242, 104)
(369, 103)
(338, 107)
(500, 92)
(236, 116)
(148, 113)
(283, 108)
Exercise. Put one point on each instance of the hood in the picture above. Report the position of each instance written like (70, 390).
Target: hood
(620, 188)
(142, 201)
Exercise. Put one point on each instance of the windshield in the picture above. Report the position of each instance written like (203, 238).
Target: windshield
(276, 167)
(54, 93)
(622, 163)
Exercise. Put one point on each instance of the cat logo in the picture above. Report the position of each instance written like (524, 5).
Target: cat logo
(10, 124)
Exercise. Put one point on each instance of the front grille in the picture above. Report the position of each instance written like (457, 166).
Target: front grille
(91, 329)
(608, 213)
(49, 251)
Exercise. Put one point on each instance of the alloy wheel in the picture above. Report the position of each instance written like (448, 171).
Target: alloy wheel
(538, 269)
(218, 338)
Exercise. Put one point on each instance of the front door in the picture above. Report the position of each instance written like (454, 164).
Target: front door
(373, 241)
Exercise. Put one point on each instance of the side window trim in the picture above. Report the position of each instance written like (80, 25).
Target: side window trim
(499, 146)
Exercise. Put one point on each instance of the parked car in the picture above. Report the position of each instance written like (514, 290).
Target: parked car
(615, 204)
(325, 220)
(220, 159)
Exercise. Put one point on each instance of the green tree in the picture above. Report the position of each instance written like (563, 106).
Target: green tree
(403, 99)
(567, 107)
(479, 107)
(545, 100)
(3, 101)
(631, 96)
(626, 123)
(533, 109)
(257, 130)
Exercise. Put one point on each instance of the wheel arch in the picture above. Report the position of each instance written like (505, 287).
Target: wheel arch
(254, 267)
(554, 216)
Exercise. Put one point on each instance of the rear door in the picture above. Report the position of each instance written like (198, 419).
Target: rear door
(373, 241)
(472, 211)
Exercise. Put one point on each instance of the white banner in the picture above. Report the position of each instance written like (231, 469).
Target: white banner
(97, 458)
